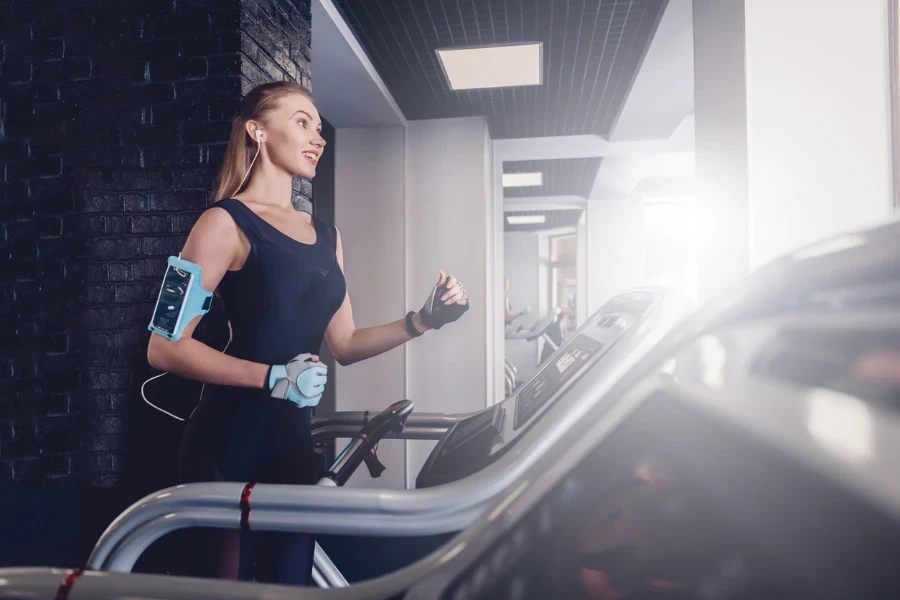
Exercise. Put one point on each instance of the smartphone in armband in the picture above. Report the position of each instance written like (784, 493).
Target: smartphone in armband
(181, 298)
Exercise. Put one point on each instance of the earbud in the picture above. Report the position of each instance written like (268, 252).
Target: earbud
(258, 135)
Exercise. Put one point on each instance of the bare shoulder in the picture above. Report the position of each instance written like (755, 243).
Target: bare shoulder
(215, 241)
(214, 226)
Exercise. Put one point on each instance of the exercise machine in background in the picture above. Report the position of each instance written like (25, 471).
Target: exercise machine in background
(548, 329)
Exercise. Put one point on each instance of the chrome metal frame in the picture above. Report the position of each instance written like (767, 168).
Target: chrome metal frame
(447, 508)
(443, 509)
(510, 374)
(419, 426)
(325, 573)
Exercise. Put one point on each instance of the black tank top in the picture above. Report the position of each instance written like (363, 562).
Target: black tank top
(283, 298)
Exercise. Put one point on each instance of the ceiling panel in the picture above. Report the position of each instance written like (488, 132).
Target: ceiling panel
(555, 219)
(561, 177)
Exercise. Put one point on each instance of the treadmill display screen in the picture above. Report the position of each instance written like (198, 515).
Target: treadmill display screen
(554, 376)
(464, 431)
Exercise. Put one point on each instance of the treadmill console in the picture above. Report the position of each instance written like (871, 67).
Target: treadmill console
(548, 381)
(473, 443)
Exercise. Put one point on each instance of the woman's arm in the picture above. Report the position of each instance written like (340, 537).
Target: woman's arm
(212, 244)
(510, 317)
(349, 344)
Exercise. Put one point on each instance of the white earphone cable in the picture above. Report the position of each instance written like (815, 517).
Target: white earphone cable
(202, 387)
(250, 168)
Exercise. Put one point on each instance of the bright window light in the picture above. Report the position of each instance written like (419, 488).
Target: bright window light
(492, 67)
(841, 423)
(526, 219)
(670, 247)
(522, 179)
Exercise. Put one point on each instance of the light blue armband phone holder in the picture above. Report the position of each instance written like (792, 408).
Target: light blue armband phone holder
(181, 298)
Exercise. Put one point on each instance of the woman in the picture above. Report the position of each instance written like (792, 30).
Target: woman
(279, 273)
(509, 316)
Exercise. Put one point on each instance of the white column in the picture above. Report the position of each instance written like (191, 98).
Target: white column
(818, 120)
(369, 209)
(720, 142)
(792, 126)
(582, 270)
(447, 198)
(615, 232)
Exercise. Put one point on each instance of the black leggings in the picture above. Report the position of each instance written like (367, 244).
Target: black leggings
(242, 436)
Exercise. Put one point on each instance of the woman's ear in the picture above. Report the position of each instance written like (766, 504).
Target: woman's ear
(254, 131)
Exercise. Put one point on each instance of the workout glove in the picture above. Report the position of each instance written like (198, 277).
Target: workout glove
(436, 314)
(301, 381)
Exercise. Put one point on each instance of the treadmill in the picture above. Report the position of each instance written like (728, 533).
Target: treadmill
(540, 330)
(477, 456)
(751, 453)
(479, 439)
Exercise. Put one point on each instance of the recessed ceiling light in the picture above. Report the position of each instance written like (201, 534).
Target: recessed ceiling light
(526, 219)
(522, 179)
(492, 66)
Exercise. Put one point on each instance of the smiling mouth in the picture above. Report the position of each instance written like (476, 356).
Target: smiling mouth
(311, 157)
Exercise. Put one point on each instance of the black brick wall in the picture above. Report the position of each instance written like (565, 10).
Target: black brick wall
(113, 119)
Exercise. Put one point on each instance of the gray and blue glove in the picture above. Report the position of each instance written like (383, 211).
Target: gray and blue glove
(526, 310)
(301, 381)
(438, 312)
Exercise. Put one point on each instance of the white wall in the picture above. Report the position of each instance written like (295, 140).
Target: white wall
(448, 172)
(615, 249)
(582, 269)
(818, 120)
(521, 266)
(369, 209)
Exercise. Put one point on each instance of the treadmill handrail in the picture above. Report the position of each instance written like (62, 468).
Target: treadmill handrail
(419, 426)
(554, 318)
(446, 508)
(45, 582)
(539, 328)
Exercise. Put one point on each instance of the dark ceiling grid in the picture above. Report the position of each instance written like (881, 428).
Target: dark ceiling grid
(418, 56)
(580, 22)
(584, 77)
(609, 74)
(592, 50)
(548, 74)
(450, 97)
(427, 5)
(600, 60)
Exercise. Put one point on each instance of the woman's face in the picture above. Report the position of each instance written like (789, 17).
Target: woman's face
(293, 136)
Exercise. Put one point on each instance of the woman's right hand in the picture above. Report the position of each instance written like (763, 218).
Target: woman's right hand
(302, 380)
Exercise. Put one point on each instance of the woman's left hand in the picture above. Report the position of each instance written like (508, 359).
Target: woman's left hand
(455, 293)
(447, 307)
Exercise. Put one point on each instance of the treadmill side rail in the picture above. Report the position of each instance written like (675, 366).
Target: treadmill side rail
(443, 509)
(419, 426)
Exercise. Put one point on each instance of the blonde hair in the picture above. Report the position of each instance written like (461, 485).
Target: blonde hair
(255, 105)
